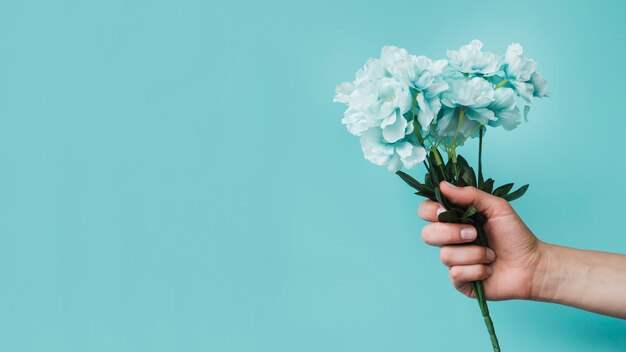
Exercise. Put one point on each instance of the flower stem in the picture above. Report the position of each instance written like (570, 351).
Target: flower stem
(469, 135)
(480, 158)
(458, 128)
(502, 83)
(479, 292)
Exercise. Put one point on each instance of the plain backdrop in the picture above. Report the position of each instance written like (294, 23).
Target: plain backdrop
(174, 176)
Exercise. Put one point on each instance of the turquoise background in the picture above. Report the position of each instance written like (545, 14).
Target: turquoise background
(174, 176)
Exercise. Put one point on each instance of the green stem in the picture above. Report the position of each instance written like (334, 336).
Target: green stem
(479, 291)
(480, 158)
(458, 128)
(416, 129)
(502, 83)
(438, 160)
(471, 133)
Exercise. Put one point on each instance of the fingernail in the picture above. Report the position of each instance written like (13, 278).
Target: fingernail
(449, 184)
(440, 210)
(489, 270)
(491, 255)
(468, 233)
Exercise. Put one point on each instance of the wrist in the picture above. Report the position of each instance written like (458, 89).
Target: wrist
(547, 275)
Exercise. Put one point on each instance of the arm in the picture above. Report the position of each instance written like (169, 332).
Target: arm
(520, 266)
(589, 280)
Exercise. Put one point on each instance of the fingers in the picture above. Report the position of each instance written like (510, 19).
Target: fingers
(429, 210)
(466, 255)
(485, 203)
(462, 274)
(441, 233)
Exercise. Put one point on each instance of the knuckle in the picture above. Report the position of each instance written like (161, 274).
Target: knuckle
(455, 273)
(501, 203)
(445, 254)
(482, 271)
(481, 254)
(421, 210)
(426, 234)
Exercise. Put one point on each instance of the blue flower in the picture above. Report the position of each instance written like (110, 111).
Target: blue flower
(474, 95)
(383, 99)
(521, 73)
(506, 112)
(403, 153)
(470, 59)
(448, 125)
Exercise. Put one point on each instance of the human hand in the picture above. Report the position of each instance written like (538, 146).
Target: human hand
(509, 270)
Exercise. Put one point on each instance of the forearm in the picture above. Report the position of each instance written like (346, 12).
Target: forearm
(589, 280)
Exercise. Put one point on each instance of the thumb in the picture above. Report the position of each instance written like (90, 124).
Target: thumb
(485, 203)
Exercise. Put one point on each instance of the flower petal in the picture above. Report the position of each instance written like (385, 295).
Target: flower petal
(395, 132)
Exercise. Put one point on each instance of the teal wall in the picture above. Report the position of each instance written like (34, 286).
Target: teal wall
(174, 176)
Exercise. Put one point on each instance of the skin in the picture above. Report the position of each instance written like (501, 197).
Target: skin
(521, 266)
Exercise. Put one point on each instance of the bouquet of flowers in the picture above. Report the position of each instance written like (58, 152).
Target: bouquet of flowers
(409, 109)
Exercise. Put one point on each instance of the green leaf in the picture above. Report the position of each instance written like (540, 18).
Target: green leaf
(466, 220)
(409, 180)
(487, 186)
(469, 212)
(440, 168)
(440, 198)
(448, 216)
(430, 196)
(502, 190)
(460, 160)
(513, 196)
(435, 171)
(450, 170)
(469, 176)
(428, 181)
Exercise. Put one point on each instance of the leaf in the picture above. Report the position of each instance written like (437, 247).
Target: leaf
(448, 216)
(487, 186)
(460, 160)
(466, 221)
(440, 168)
(409, 180)
(469, 212)
(435, 172)
(440, 198)
(502, 190)
(428, 181)
(513, 196)
(430, 196)
(469, 176)
(450, 170)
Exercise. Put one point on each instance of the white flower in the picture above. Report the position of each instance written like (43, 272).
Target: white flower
(471, 59)
(394, 155)
(506, 112)
(391, 83)
(521, 73)
(469, 98)
(448, 124)
(474, 95)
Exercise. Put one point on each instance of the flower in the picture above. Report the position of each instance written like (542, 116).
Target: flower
(506, 112)
(399, 103)
(383, 99)
(470, 59)
(473, 94)
(521, 73)
(402, 153)
(448, 125)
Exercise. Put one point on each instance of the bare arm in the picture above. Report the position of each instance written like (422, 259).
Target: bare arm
(520, 265)
(589, 280)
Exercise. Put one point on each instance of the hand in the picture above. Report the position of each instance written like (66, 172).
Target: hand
(509, 269)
